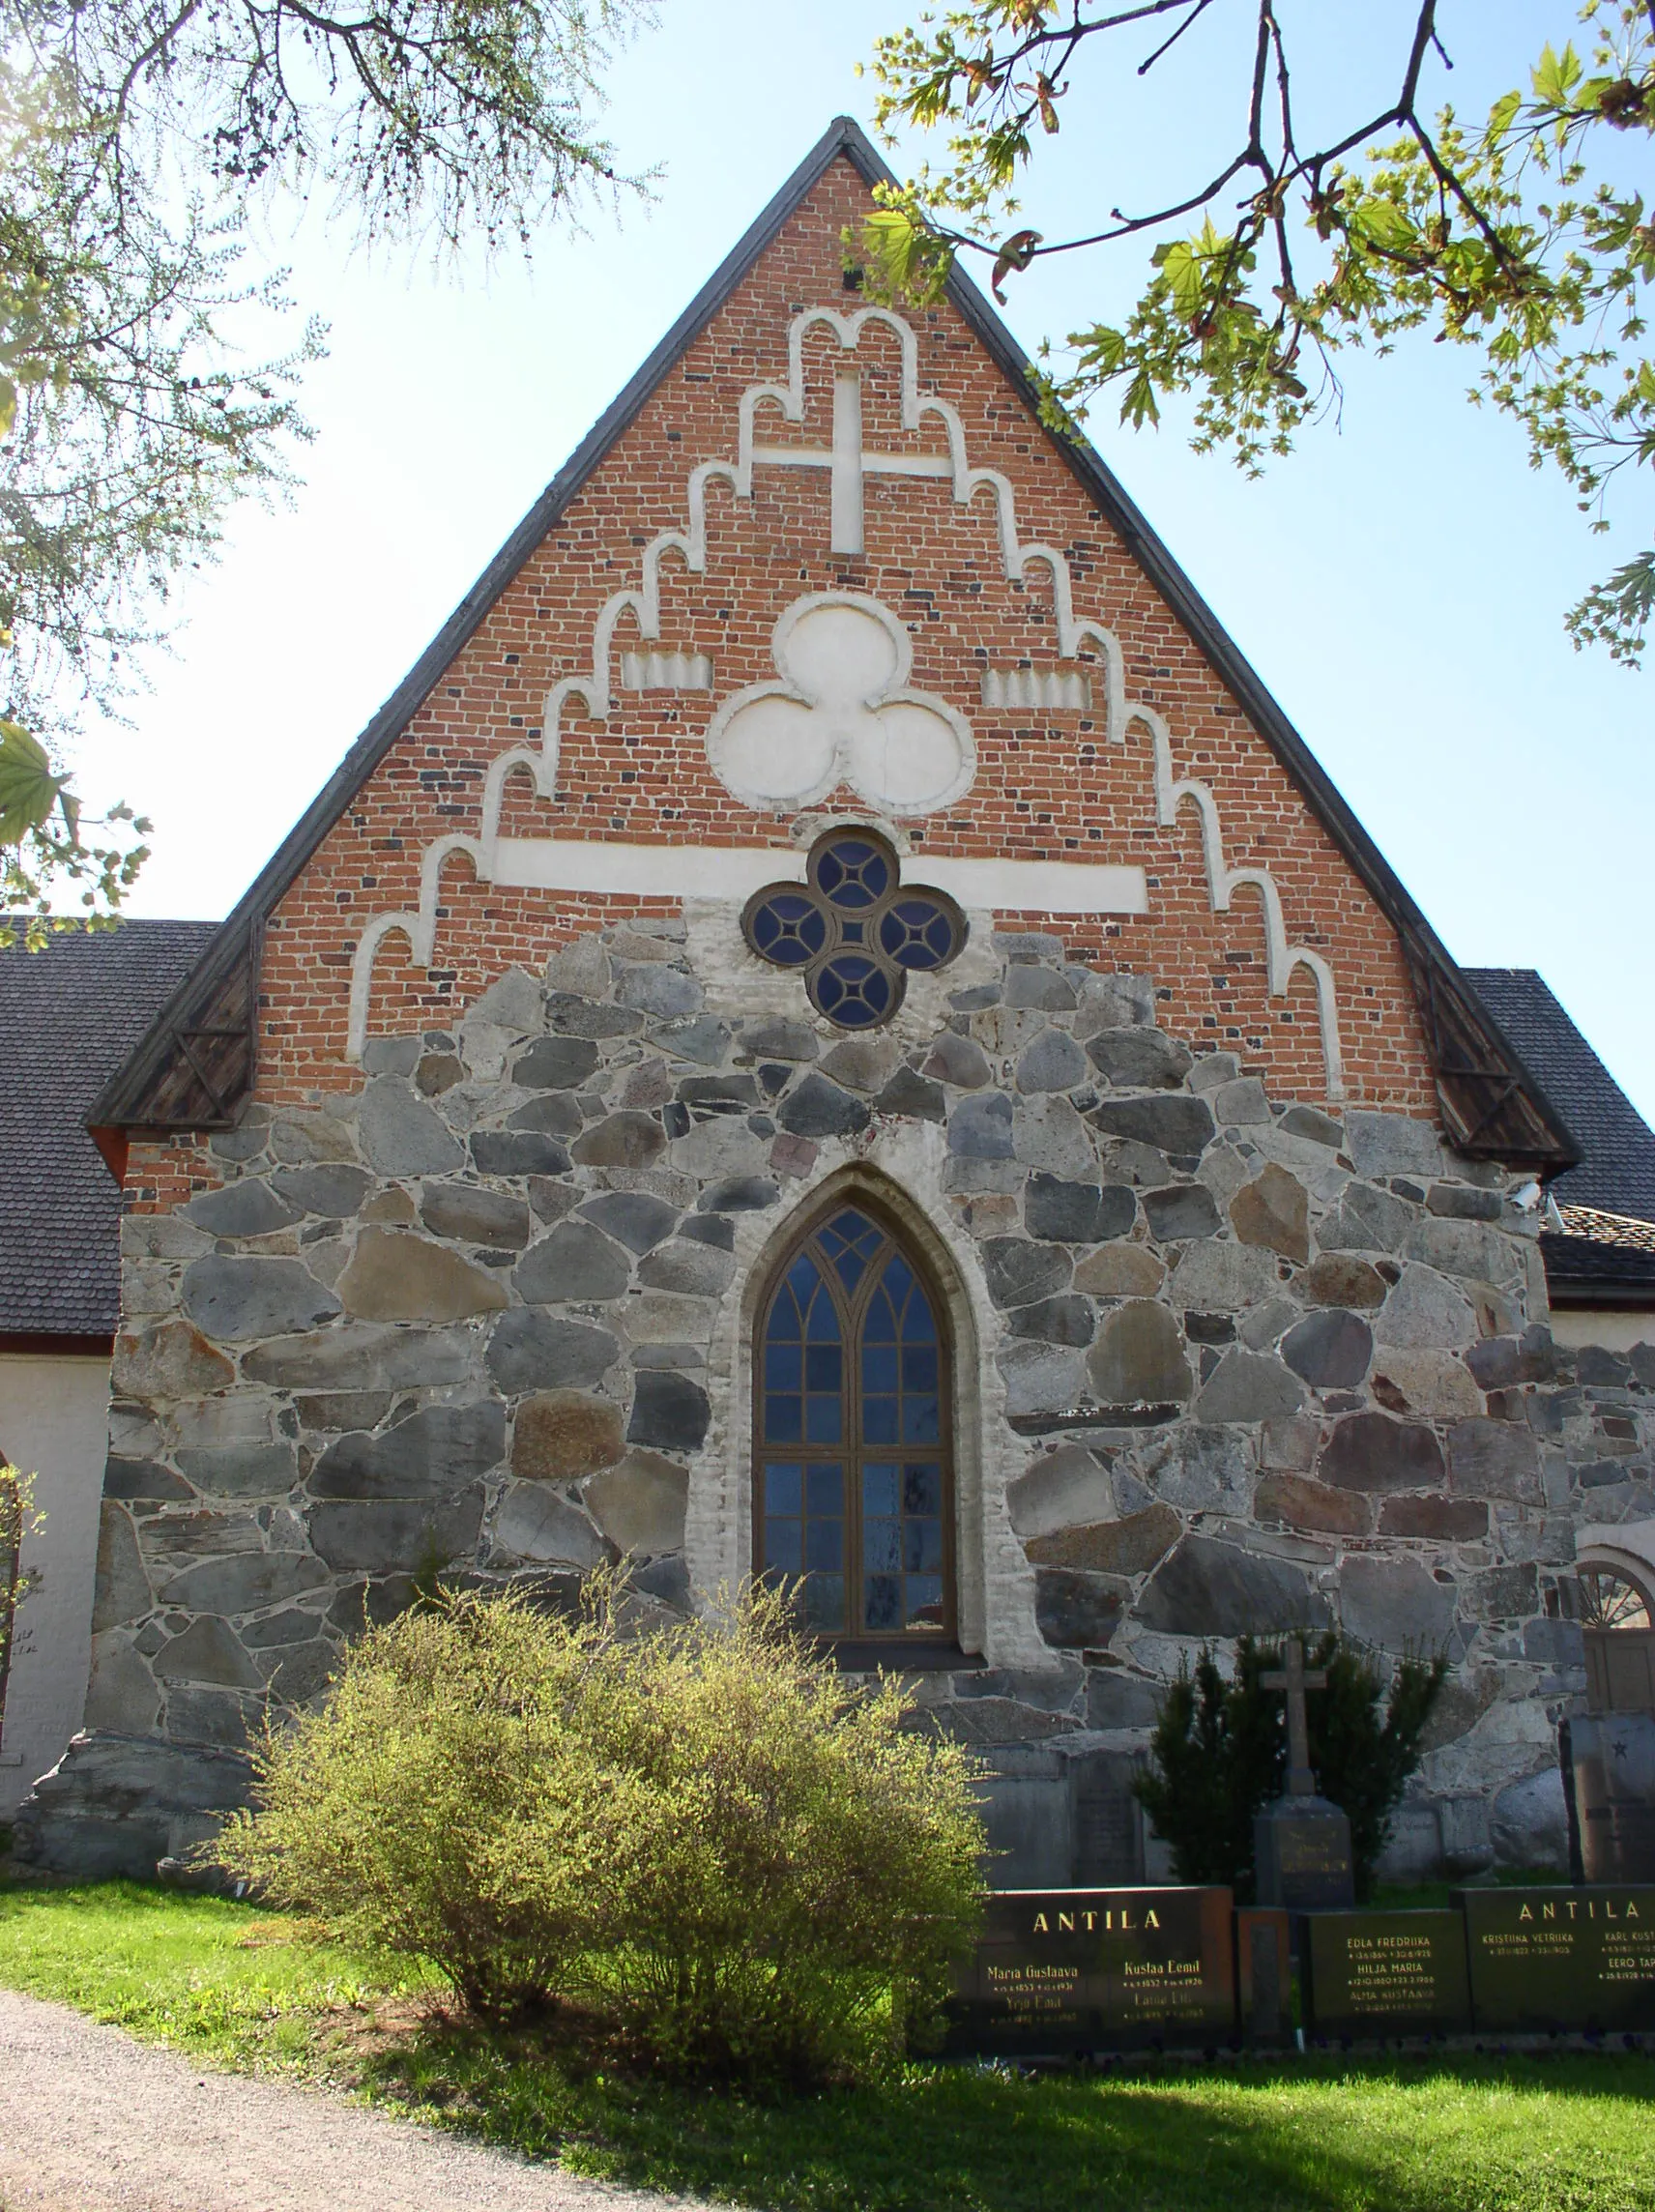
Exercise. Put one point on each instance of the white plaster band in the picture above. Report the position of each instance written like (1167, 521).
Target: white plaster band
(734, 872)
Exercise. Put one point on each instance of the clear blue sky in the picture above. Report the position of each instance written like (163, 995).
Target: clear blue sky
(1399, 585)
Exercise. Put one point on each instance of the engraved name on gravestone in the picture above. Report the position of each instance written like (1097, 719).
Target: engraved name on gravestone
(1386, 1974)
(1301, 1844)
(1549, 1959)
(1093, 1969)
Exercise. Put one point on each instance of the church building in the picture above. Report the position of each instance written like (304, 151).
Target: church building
(830, 1027)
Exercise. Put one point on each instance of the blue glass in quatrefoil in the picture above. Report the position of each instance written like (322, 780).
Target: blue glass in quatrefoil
(919, 933)
(853, 991)
(853, 873)
(789, 930)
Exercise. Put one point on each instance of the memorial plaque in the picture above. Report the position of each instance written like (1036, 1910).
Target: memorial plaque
(1263, 1973)
(1614, 1759)
(1301, 1854)
(1385, 1974)
(1543, 1960)
(1095, 1969)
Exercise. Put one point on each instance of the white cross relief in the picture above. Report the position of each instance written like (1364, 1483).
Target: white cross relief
(851, 462)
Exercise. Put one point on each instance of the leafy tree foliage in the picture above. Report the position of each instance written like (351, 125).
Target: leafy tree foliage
(1512, 235)
(134, 139)
(706, 1840)
(1220, 1754)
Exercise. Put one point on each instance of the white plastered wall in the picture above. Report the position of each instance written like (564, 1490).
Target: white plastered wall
(1576, 1325)
(54, 1423)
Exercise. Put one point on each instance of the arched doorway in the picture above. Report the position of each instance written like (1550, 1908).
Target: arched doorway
(1617, 1630)
(853, 1483)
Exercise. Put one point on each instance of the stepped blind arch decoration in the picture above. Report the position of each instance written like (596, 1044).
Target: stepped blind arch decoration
(852, 1462)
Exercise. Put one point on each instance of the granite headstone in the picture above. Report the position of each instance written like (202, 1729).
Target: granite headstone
(1263, 1975)
(1544, 1960)
(1385, 1974)
(1095, 1969)
(1614, 1761)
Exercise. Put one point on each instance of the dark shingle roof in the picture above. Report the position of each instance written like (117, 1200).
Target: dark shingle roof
(69, 1017)
(1617, 1169)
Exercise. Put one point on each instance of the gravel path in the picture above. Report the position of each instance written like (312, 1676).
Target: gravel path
(91, 2121)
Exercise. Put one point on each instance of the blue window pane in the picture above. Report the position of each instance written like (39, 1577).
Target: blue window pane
(879, 1421)
(822, 1422)
(879, 1326)
(788, 929)
(822, 1367)
(784, 1421)
(783, 1366)
(825, 1544)
(879, 1368)
(850, 991)
(825, 1491)
(852, 872)
(802, 1281)
(898, 1280)
(925, 1609)
(880, 1490)
(823, 1325)
(921, 1546)
(881, 1599)
(824, 1597)
(882, 1546)
(783, 1552)
(922, 1490)
(921, 1421)
(850, 1240)
(919, 1367)
(917, 1325)
(784, 1489)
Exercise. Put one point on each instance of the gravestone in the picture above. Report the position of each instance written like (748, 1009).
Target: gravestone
(1614, 1759)
(1543, 1960)
(1301, 1844)
(1385, 1974)
(1095, 1969)
(1106, 1822)
(1263, 1975)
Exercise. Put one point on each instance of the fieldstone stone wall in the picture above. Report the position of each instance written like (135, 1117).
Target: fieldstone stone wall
(1224, 1364)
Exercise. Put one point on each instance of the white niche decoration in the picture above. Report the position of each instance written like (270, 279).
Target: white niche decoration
(841, 714)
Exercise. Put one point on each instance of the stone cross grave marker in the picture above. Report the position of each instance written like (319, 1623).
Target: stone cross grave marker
(1294, 1678)
(1301, 1844)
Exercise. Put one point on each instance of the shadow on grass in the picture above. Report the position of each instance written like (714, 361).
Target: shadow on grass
(1564, 2135)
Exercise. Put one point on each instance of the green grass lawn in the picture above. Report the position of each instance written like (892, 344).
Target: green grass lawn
(235, 1984)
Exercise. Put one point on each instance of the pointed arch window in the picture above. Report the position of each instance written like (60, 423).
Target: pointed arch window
(853, 1491)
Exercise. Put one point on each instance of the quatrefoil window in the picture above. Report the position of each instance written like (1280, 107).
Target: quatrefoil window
(853, 929)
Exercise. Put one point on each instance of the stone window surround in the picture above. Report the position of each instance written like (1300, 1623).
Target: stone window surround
(718, 1539)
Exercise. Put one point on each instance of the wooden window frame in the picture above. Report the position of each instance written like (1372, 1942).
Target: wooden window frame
(912, 1646)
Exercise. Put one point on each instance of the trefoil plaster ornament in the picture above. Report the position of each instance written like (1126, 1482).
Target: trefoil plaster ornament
(842, 713)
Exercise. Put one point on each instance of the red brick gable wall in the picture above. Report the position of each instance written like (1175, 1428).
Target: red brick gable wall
(1048, 786)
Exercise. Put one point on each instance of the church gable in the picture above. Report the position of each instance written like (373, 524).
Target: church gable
(823, 561)
(836, 566)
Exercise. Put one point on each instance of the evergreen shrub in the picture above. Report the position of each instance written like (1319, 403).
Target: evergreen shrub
(706, 1841)
(1220, 1754)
